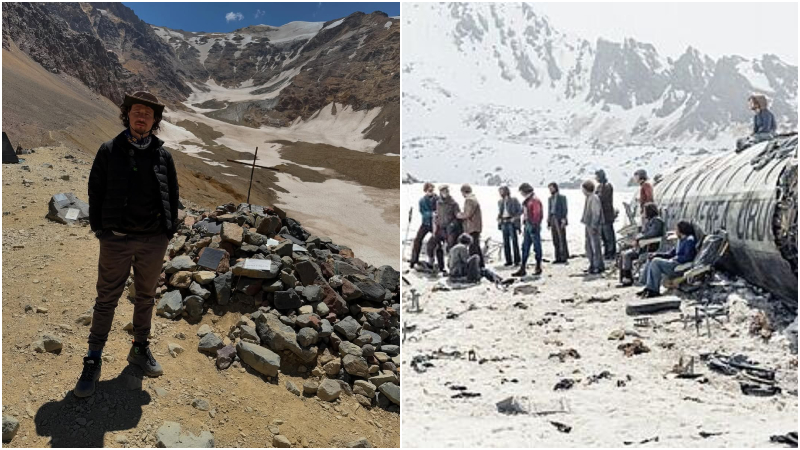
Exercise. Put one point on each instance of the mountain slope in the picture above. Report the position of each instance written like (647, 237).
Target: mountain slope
(280, 74)
(489, 79)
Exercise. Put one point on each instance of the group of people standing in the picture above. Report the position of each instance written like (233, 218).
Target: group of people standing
(457, 232)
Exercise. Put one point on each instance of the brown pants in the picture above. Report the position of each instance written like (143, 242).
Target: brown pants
(114, 265)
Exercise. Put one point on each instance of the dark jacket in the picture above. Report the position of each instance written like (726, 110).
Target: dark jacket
(446, 220)
(109, 186)
(514, 209)
(655, 227)
(557, 211)
(763, 122)
(427, 206)
(606, 193)
(684, 252)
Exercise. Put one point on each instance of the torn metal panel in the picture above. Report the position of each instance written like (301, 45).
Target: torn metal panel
(753, 196)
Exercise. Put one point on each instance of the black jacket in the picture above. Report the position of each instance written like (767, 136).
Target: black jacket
(108, 185)
(559, 210)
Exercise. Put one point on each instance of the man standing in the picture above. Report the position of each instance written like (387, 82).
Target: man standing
(593, 220)
(427, 207)
(133, 211)
(763, 123)
(473, 220)
(446, 227)
(532, 208)
(605, 191)
(557, 222)
(508, 220)
(645, 193)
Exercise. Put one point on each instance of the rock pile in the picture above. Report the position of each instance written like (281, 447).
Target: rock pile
(311, 307)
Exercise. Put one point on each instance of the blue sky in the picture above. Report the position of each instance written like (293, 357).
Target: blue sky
(228, 16)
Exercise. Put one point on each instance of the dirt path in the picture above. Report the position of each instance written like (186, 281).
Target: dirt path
(450, 400)
(55, 268)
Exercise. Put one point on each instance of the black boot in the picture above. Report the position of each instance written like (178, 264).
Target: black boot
(520, 273)
(538, 269)
(88, 380)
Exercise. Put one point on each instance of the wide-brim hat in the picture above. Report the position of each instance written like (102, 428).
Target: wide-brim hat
(144, 98)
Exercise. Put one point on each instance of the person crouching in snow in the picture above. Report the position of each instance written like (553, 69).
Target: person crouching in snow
(461, 263)
(664, 264)
(593, 220)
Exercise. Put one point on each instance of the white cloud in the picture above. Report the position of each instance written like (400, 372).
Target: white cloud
(259, 13)
(231, 16)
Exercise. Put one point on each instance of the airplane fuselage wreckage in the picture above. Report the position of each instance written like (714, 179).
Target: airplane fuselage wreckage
(752, 195)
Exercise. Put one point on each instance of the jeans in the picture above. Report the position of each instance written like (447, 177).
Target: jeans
(437, 245)
(656, 269)
(114, 267)
(475, 247)
(532, 236)
(609, 240)
(593, 249)
(423, 231)
(559, 234)
(510, 241)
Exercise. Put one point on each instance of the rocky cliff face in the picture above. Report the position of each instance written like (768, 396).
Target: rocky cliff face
(104, 48)
(279, 74)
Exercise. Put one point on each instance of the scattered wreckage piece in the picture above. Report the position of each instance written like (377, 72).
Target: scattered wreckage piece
(525, 405)
(652, 305)
(636, 347)
(753, 196)
(789, 438)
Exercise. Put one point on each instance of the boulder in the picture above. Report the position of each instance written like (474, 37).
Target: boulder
(391, 391)
(10, 427)
(259, 358)
(196, 289)
(65, 208)
(225, 356)
(287, 300)
(209, 344)
(279, 336)
(181, 280)
(307, 337)
(193, 305)
(329, 390)
(222, 288)
(180, 263)
(232, 233)
(365, 388)
(355, 365)
(347, 327)
(170, 305)
(387, 277)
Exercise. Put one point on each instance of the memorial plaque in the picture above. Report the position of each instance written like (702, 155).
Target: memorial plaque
(72, 214)
(258, 264)
(211, 258)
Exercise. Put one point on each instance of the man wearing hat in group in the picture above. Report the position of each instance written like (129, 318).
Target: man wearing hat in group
(133, 211)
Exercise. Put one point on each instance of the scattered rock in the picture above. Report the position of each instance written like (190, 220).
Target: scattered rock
(292, 388)
(209, 344)
(48, 343)
(329, 390)
(174, 349)
(169, 435)
(279, 441)
(259, 358)
(10, 427)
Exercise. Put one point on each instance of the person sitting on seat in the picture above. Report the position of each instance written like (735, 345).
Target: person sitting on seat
(461, 263)
(664, 264)
(763, 123)
(654, 228)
